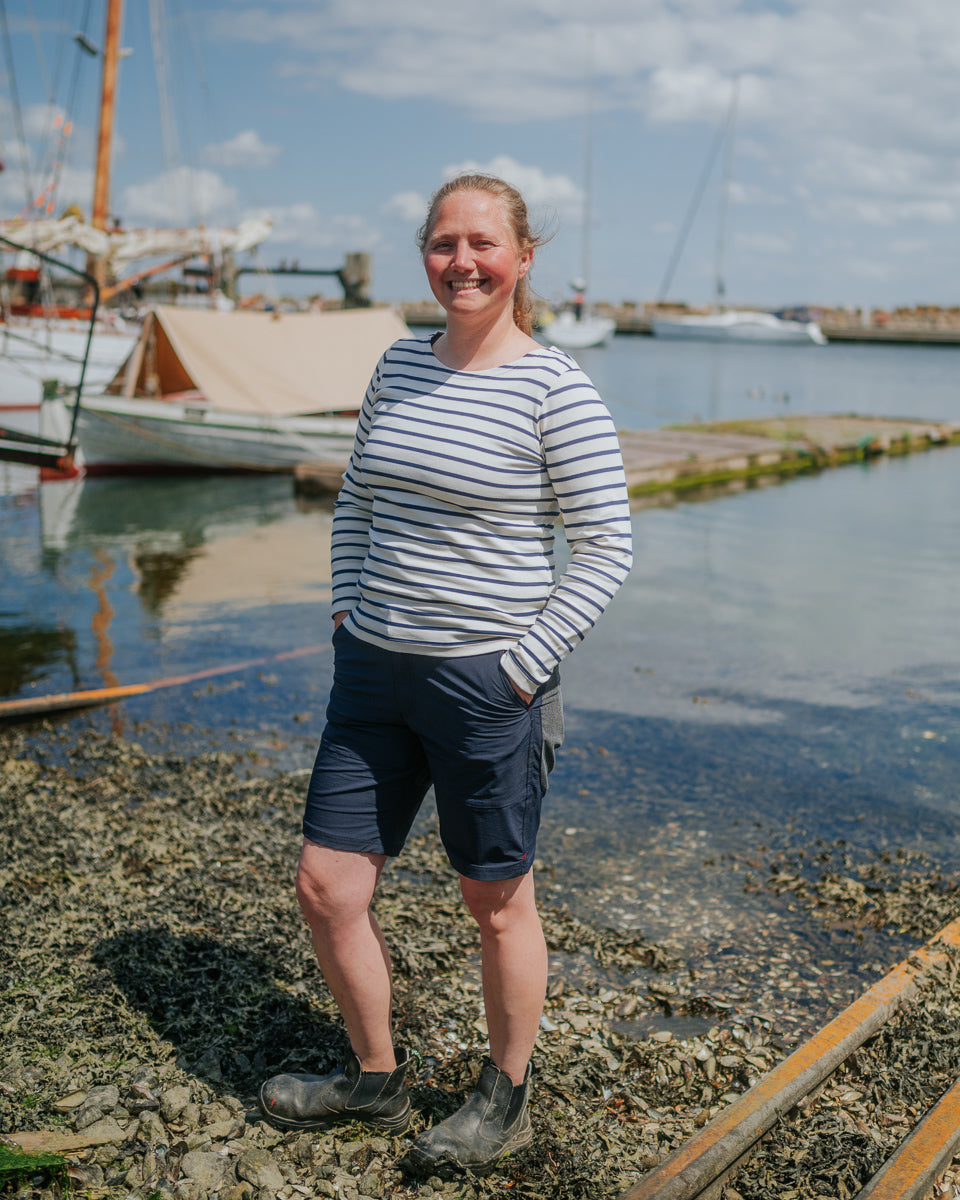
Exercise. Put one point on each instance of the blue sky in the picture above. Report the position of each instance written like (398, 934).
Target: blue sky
(337, 118)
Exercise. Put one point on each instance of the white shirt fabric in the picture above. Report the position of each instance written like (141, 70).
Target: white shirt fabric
(443, 534)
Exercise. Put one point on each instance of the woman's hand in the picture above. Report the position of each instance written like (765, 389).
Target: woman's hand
(338, 619)
(526, 697)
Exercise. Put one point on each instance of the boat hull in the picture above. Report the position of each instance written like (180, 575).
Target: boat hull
(738, 327)
(568, 333)
(34, 350)
(127, 436)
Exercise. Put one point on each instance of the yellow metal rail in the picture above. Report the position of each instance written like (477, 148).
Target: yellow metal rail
(696, 1169)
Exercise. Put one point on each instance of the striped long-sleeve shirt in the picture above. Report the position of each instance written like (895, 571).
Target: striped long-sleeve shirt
(443, 533)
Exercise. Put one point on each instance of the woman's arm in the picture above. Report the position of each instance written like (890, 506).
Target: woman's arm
(585, 467)
(352, 514)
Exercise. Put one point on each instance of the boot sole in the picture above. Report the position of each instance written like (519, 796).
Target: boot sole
(393, 1125)
(446, 1167)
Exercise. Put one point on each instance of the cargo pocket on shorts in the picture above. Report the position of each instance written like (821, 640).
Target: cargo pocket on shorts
(551, 725)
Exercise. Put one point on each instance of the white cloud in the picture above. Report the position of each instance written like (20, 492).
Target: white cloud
(304, 226)
(407, 206)
(848, 129)
(763, 243)
(182, 196)
(547, 196)
(818, 79)
(246, 149)
(42, 121)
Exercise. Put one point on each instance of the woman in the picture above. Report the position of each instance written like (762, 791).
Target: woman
(449, 627)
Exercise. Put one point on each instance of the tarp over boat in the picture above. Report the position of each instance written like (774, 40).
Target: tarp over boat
(281, 364)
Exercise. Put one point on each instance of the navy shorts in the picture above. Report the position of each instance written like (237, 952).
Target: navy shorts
(397, 723)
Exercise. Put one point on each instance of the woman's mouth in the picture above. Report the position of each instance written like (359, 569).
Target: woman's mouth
(464, 285)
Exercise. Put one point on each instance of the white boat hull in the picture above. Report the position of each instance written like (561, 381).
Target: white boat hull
(33, 350)
(738, 326)
(117, 435)
(568, 333)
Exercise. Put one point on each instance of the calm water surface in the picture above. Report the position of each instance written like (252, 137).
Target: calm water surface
(781, 667)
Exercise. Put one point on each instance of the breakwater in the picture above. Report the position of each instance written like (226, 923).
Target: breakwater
(837, 328)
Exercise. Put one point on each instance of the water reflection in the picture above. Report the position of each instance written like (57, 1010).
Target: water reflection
(28, 651)
(111, 581)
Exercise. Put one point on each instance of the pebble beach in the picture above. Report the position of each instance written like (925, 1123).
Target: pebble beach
(154, 969)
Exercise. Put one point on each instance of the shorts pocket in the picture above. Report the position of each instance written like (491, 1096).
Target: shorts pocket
(507, 685)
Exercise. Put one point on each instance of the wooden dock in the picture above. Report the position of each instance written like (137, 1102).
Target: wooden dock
(662, 463)
(689, 457)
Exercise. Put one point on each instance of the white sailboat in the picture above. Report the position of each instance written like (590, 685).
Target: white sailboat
(737, 325)
(42, 343)
(723, 324)
(576, 326)
(571, 331)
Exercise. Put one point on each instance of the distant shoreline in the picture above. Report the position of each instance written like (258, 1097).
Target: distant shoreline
(898, 330)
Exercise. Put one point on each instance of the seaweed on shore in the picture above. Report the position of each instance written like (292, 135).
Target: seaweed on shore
(155, 968)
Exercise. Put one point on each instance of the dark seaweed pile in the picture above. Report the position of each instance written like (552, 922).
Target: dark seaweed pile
(154, 968)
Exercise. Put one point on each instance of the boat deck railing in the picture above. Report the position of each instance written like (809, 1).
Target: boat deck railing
(34, 449)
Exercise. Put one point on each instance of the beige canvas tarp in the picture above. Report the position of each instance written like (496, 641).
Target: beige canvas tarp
(282, 364)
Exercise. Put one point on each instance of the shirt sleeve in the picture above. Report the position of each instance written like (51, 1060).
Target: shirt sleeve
(353, 512)
(585, 467)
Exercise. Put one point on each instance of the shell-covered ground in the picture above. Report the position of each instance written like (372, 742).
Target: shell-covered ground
(154, 969)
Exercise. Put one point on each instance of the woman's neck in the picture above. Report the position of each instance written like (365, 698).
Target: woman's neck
(466, 347)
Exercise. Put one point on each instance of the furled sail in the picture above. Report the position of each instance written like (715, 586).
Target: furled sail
(118, 247)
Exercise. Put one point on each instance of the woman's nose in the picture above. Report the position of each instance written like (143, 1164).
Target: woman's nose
(462, 258)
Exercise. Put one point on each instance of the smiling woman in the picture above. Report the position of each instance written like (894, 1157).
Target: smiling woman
(477, 251)
(450, 627)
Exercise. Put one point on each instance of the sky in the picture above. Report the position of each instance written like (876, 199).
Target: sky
(339, 118)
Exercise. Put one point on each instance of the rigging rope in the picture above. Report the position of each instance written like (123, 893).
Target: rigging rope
(59, 144)
(17, 111)
(692, 210)
(35, 30)
(168, 128)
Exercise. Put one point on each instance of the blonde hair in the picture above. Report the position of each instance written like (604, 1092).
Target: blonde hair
(515, 210)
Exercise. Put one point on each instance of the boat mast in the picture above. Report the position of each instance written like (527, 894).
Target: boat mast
(108, 91)
(720, 286)
(587, 178)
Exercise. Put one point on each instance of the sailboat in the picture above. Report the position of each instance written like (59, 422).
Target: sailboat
(42, 342)
(233, 391)
(187, 388)
(576, 326)
(723, 324)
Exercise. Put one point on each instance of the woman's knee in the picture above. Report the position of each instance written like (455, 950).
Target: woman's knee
(334, 884)
(497, 905)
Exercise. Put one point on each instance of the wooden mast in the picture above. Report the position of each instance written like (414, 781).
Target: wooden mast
(108, 92)
(97, 266)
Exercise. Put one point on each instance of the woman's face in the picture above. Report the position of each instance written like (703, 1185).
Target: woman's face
(471, 256)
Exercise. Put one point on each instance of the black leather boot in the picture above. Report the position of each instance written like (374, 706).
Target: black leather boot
(493, 1122)
(377, 1098)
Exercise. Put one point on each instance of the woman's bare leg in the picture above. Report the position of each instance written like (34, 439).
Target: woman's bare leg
(514, 955)
(335, 889)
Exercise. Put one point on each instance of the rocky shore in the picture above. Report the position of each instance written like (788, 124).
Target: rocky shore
(154, 969)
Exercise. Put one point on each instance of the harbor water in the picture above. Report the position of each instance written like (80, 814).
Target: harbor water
(781, 671)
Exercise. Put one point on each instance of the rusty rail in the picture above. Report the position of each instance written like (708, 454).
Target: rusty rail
(40, 706)
(697, 1169)
(911, 1171)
